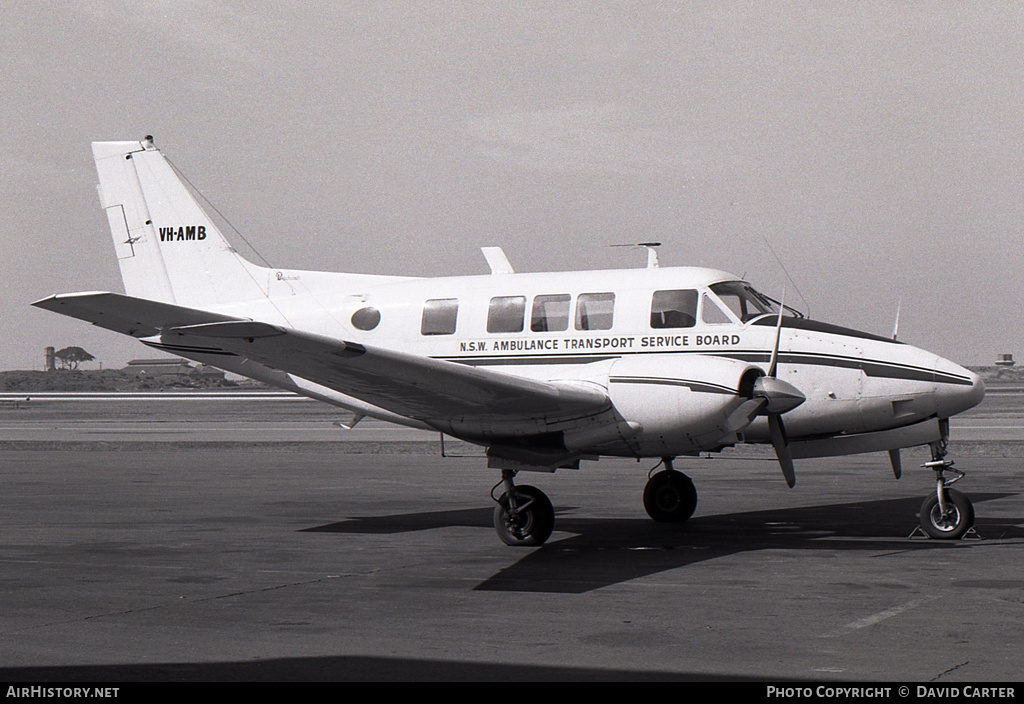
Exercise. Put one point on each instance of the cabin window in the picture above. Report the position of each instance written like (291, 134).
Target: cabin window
(674, 309)
(366, 318)
(440, 316)
(595, 311)
(506, 314)
(550, 313)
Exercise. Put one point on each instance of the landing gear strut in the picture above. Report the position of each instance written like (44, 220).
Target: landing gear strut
(670, 496)
(947, 514)
(524, 515)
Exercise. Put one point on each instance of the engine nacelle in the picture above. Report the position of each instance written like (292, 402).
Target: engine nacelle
(683, 402)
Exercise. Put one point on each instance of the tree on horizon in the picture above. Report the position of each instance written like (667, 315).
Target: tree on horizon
(70, 357)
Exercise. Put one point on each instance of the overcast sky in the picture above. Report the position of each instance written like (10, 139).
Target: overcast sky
(878, 146)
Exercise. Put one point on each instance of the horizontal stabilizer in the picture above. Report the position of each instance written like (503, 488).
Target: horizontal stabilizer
(127, 315)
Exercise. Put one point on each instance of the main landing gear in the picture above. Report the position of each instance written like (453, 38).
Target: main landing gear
(947, 514)
(524, 515)
(670, 496)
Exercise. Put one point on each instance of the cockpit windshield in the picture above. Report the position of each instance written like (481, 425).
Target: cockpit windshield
(746, 303)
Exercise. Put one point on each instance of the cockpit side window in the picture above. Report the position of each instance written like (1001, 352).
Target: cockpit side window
(745, 303)
(674, 309)
(711, 312)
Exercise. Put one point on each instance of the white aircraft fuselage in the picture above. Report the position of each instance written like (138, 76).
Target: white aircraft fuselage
(679, 383)
(543, 369)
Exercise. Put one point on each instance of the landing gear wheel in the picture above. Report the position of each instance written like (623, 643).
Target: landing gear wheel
(670, 497)
(958, 519)
(527, 520)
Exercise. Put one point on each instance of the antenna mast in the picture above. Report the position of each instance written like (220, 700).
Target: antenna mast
(652, 252)
(788, 277)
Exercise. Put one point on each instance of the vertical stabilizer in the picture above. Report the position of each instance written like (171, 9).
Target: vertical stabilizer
(168, 248)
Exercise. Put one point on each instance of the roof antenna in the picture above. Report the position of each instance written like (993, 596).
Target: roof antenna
(800, 293)
(652, 252)
(896, 325)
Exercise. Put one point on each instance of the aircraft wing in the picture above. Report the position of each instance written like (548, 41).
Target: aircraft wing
(413, 386)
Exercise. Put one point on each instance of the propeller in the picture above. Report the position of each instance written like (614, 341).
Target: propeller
(772, 397)
(782, 397)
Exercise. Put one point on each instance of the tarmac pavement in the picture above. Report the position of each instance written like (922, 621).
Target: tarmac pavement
(158, 543)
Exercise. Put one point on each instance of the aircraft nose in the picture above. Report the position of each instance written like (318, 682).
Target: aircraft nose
(959, 389)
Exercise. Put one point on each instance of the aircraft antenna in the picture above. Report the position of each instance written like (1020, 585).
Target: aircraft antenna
(652, 252)
(280, 275)
(216, 210)
(896, 325)
(807, 306)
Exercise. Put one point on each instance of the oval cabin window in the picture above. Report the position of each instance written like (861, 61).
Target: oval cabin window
(366, 318)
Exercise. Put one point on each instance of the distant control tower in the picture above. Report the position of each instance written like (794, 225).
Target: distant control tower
(49, 364)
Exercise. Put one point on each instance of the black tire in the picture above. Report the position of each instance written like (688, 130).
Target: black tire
(670, 497)
(531, 525)
(958, 521)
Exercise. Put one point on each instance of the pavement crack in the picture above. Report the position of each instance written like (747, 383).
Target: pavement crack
(949, 671)
(157, 607)
(271, 588)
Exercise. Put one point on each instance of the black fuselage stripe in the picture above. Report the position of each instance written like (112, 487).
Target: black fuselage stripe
(874, 368)
(700, 386)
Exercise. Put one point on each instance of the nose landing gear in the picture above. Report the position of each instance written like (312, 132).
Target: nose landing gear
(947, 514)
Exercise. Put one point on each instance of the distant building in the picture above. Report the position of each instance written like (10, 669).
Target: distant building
(1005, 360)
(170, 366)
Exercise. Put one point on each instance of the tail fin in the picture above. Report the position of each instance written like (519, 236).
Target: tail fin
(168, 248)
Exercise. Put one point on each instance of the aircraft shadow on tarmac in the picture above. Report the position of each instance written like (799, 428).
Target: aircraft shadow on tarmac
(602, 552)
(346, 668)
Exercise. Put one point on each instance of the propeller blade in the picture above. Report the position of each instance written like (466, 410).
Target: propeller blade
(745, 414)
(782, 451)
(773, 362)
(897, 465)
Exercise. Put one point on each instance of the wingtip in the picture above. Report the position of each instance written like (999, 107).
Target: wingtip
(57, 298)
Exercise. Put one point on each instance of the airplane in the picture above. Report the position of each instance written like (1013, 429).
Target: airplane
(544, 370)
